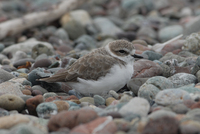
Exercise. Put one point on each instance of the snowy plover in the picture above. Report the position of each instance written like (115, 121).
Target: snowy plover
(104, 69)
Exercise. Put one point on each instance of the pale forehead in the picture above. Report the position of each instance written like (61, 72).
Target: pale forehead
(121, 44)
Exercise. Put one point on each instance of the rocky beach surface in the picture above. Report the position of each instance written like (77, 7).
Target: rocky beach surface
(163, 96)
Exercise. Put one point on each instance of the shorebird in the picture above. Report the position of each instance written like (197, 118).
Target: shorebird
(104, 69)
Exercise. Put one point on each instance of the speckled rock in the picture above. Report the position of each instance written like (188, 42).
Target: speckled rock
(93, 126)
(136, 105)
(49, 94)
(5, 76)
(11, 102)
(69, 119)
(196, 67)
(172, 96)
(152, 86)
(12, 120)
(146, 68)
(85, 42)
(125, 98)
(46, 109)
(11, 88)
(40, 49)
(152, 55)
(182, 79)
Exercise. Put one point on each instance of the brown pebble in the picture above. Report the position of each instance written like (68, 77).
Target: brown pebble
(62, 105)
(26, 92)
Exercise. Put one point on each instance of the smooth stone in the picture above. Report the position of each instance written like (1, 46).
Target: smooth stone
(39, 88)
(6, 62)
(34, 75)
(12, 120)
(98, 100)
(12, 102)
(25, 129)
(3, 57)
(136, 105)
(11, 88)
(42, 63)
(145, 68)
(169, 32)
(194, 114)
(49, 94)
(182, 79)
(93, 127)
(46, 109)
(114, 94)
(61, 105)
(25, 46)
(173, 46)
(3, 112)
(170, 56)
(109, 101)
(5, 76)
(152, 86)
(189, 127)
(172, 96)
(32, 104)
(36, 92)
(135, 83)
(26, 92)
(87, 99)
(125, 98)
(81, 16)
(69, 119)
(122, 125)
(1, 47)
(22, 62)
(26, 97)
(61, 34)
(127, 35)
(72, 103)
(108, 29)
(179, 108)
(74, 28)
(152, 55)
(164, 124)
(190, 89)
(147, 31)
(74, 108)
(85, 42)
(18, 56)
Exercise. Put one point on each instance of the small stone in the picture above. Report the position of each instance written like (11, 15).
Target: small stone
(3, 112)
(114, 94)
(11, 102)
(49, 94)
(32, 104)
(85, 42)
(42, 63)
(22, 62)
(179, 108)
(189, 127)
(196, 67)
(62, 105)
(87, 99)
(182, 79)
(12, 120)
(46, 109)
(69, 119)
(136, 105)
(164, 124)
(98, 100)
(109, 126)
(39, 88)
(125, 98)
(36, 92)
(62, 34)
(193, 114)
(152, 55)
(5, 76)
(26, 92)
(146, 68)
(25, 129)
(73, 108)
(170, 56)
(109, 101)
(172, 96)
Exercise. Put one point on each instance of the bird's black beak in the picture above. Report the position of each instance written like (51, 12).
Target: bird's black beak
(138, 56)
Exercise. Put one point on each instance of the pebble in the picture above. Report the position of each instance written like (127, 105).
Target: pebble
(12, 120)
(26, 128)
(109, 101)
(87, 99)
(46, 109)
(114, 94)
(32, 104)
(5, 76)
(135, 83)
(136, 105)
(69, 119)
(11, 88)
(62, 105)
(152, 55)
(98, 100)
(172, 96)
(49, 94)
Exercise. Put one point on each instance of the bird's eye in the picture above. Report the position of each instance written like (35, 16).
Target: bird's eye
(122, 51)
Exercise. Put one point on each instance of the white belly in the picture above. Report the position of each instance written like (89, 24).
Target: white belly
(115, 80)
